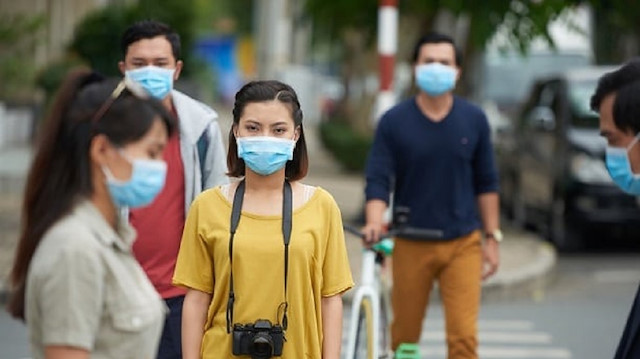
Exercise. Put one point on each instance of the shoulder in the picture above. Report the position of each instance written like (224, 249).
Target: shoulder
(469, 108)
(213, 196)
(183, 101)
(401, 109)
(70, 239)
(324, 199)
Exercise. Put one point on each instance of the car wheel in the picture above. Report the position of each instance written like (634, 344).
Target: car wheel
(518, 210)
(562, 233)
(513, 202)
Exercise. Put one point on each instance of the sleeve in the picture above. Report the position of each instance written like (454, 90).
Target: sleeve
(215, 166)
(194, 266)
(336, 272)
(71, 298)
(485, 174)
(380, 164)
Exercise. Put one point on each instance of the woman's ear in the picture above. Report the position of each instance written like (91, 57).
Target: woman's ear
(99, 150)
(296, 135)
(234, 130)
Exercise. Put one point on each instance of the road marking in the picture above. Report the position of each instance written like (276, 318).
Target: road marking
(486, 324)
(495, 337)
(498, 339)
(496, 352)
(617, 276)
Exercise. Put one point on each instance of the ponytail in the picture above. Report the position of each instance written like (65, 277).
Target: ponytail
(45, 200)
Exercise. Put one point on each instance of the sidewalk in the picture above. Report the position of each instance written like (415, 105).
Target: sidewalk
(526, 260)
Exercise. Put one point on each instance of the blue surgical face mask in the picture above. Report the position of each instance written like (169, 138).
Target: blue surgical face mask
(157, 81)
(435, 78)
(146, 182)
(265, 155)
(619, 167)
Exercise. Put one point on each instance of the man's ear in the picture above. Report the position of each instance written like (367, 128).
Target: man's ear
(176, 74)
(121, 67)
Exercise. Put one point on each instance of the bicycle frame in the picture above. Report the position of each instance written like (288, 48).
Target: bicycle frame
(369, 287)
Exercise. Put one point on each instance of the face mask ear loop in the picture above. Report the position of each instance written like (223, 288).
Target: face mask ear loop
(635, 140)
(108, 174)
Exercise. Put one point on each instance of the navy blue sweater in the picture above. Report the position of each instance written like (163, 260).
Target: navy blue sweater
(436, 168)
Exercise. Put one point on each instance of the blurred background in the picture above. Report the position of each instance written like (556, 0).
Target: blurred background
(329, 52)
(532, 65)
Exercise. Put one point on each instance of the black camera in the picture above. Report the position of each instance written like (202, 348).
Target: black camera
(260, 340)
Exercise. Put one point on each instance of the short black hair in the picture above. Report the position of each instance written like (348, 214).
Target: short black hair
(436, 38)
(625, 83)
(148, 29)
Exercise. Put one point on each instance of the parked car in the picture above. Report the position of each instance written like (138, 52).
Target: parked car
(553, 174)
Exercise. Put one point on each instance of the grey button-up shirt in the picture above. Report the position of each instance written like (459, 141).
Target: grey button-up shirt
(86, 290)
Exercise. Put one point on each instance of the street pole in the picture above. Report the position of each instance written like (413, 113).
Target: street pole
(387, 48)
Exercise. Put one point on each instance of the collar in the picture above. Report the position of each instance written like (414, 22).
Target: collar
(122, 237)
(194, 116)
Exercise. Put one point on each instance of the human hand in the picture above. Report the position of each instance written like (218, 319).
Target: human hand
(372, 232)
(490, 258)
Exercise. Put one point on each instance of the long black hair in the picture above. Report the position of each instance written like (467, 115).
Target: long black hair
(60, 174)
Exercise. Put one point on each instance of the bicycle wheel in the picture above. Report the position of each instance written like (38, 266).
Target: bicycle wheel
(384, 336)
(364, 332)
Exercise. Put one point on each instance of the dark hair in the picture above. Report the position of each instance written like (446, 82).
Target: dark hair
(625, 83)
(436, 38)
(262, 91)
(148, 29)
(60, 174)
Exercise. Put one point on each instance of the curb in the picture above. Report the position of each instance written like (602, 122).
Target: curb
(4, 293)
(528, 281)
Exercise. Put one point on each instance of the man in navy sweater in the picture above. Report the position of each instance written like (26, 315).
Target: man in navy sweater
(434, 152)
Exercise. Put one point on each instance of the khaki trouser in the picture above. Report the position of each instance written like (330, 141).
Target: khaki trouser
(457, 266)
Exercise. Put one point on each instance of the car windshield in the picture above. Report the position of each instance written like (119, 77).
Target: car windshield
(579, 98)
(508, 77)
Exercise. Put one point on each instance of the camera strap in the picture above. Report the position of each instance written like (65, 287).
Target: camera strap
(236, 210)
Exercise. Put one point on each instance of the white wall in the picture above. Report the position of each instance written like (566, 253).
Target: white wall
(15, 126)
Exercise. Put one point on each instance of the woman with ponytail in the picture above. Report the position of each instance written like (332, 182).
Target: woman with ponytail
(74, 280)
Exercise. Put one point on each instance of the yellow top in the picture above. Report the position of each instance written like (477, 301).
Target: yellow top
(318, 267)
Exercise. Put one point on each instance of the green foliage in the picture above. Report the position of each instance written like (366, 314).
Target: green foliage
(18, 38)
(50, 78)
(347, 146)
(525, 20)
(331, 18)
(97, 37)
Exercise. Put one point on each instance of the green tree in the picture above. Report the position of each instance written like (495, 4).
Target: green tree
(347, 20)
(617, 31)
(18, 38)
(97, 37)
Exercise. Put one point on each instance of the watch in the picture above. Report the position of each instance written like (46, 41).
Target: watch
(497, 235)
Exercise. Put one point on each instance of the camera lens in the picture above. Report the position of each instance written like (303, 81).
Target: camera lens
(262, 346)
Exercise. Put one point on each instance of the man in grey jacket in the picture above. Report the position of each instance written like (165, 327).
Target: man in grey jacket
(195, 157)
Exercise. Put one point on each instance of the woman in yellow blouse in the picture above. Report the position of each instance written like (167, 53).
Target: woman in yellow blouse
(295, 287)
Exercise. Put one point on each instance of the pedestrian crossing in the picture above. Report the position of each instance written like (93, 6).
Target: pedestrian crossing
(498, 339)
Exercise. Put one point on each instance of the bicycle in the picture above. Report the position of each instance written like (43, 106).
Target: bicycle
(369, 336)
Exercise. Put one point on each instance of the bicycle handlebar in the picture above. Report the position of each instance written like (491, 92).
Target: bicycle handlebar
(405, 232)
(385, 244)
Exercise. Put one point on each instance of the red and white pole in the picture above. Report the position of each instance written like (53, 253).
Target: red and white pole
(387, 48)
